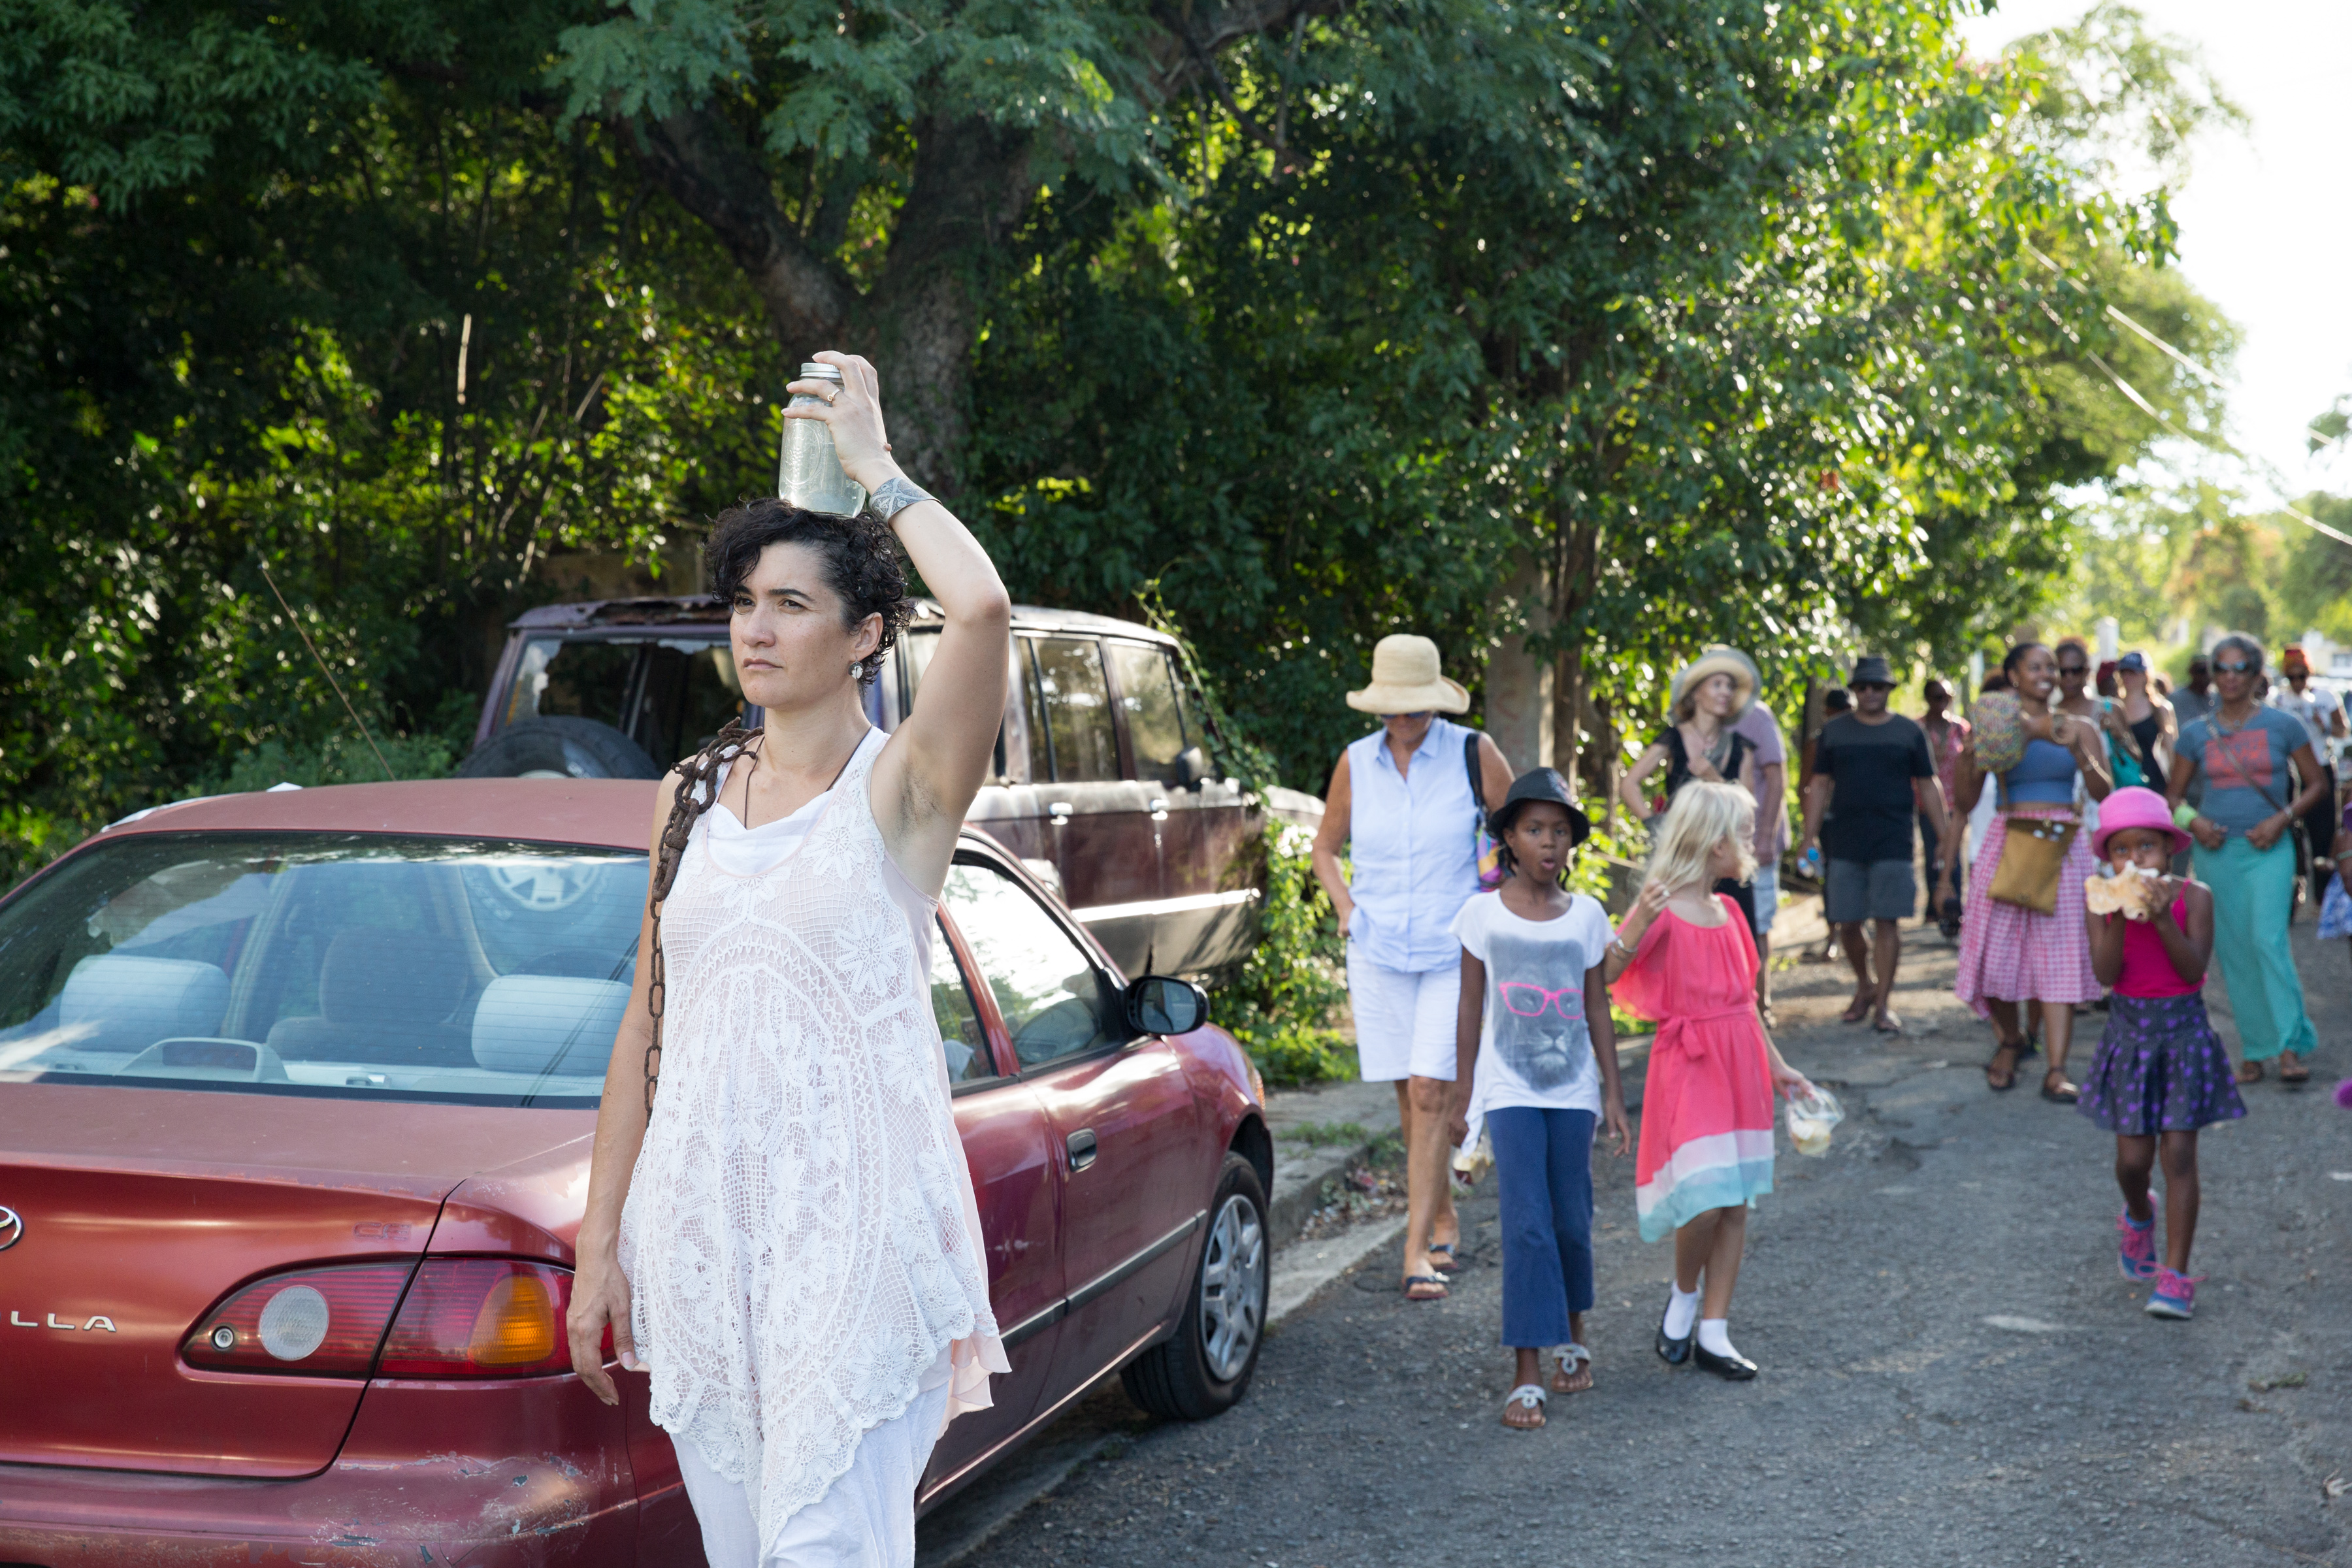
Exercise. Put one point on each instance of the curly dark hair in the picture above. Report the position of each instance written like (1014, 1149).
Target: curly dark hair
(861, 561)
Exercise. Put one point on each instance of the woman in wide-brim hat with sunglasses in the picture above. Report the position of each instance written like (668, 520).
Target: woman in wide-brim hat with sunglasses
(1708, 696)
(1406, 801)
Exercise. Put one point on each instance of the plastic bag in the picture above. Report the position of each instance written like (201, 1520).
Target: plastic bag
(1812, 1114)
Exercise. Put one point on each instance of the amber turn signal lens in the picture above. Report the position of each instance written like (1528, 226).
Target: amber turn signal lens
(517, 1323)
(480, 1317)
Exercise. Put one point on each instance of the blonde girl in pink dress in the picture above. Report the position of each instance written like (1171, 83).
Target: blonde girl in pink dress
(1684, 957)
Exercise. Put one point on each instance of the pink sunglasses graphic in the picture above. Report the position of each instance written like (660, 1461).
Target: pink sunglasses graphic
(1529, 1001)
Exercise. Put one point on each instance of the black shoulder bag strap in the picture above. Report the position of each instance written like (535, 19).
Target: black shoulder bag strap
(1470, 766)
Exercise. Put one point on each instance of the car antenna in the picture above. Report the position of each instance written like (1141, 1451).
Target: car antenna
(329, 674)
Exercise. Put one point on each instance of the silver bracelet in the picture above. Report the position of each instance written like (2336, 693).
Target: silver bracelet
(894, 495)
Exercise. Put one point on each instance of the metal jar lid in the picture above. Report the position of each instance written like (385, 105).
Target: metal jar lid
(812, 371)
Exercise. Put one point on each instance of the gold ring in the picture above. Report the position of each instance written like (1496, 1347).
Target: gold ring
(834, 399)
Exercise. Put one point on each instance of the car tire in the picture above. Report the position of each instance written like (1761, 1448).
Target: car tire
(560, 748)
(1206, 1367)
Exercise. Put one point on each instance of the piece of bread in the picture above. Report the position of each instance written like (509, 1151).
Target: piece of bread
(2129, 890)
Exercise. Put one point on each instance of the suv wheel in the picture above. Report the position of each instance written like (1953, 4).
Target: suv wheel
(560, 748)
(1205, 1369)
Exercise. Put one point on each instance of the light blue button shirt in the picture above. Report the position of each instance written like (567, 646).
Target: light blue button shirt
(1413, 839)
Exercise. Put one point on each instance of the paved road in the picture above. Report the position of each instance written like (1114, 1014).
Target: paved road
(1954, 1373)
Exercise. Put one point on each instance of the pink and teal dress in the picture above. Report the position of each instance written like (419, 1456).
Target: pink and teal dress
(1707, 1105)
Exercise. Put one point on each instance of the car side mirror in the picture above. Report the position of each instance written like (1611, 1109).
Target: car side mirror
(1158, 1005)
(1192, 767)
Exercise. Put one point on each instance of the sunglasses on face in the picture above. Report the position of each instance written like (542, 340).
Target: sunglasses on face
(2073, 669)
(2237, 668)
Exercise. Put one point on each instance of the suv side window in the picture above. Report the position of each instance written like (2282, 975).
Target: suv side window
(1155, 724)
(1077, 702)
(1055, 1003)
(960, 1035)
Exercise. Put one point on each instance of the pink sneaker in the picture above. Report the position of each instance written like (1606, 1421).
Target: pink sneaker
(2174, 1297)
(2136, 1252)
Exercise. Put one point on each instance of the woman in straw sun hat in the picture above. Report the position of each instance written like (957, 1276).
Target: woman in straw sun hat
(1408, 800)
(1708, 696)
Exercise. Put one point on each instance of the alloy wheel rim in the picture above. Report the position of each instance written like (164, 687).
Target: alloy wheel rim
(1232, 1288)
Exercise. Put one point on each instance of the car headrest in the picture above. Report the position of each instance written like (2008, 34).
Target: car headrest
(127, 1004)
(548, 1023)
(391, 978)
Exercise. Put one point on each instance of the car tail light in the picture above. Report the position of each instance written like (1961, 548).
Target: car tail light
(480, 1317)
(318, 1321)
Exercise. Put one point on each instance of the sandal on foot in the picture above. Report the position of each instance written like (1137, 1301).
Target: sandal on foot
(1574, 1374)
(1442, 1259)
(2250, 1072)
(1857, 1011)
(1887, 1024)
(2057, 1091)
(1529, 1398)
(2008, 1074)
(1423, 1288)
(2296, 1075)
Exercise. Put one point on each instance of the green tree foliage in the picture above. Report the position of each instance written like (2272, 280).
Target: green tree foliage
(313, 297)
(1325, 316)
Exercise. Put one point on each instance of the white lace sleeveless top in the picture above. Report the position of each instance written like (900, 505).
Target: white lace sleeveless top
(800, 1237)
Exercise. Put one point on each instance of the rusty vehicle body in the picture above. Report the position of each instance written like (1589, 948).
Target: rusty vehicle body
(1105, 780)
(296, 1094)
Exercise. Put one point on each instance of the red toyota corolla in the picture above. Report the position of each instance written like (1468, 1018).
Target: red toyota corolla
(296, 1096)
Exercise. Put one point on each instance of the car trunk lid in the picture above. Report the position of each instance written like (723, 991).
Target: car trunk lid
(137, 1209)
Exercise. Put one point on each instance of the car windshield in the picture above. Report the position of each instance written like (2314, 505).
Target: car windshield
(469, 970)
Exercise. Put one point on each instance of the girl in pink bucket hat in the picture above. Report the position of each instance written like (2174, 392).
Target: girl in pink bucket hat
(2160, 1072)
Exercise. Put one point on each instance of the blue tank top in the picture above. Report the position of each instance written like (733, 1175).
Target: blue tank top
(2044, 776)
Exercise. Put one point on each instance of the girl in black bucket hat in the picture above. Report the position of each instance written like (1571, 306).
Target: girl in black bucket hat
(1536, 1061)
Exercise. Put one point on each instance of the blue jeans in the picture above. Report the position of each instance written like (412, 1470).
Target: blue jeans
(1543, 1163)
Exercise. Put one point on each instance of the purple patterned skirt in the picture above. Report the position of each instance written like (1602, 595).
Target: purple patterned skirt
(2159, 1068)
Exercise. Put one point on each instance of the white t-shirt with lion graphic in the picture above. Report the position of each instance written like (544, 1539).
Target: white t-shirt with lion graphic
(1534, 1048)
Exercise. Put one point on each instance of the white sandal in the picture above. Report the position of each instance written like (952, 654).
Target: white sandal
(1526, 1396)
(1573, 1357)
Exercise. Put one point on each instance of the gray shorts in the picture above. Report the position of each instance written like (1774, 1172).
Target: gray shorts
(1869, 890)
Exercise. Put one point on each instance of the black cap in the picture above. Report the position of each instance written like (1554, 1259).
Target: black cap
(1540, 784)
(1871, 670)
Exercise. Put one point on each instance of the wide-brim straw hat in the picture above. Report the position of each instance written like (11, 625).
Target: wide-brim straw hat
(1406, 679)
(1721, 660)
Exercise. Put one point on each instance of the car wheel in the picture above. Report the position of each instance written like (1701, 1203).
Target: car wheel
(562, 748)
(1205, 1369)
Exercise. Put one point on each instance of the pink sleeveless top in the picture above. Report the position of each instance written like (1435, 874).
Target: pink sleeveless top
(2147, 968)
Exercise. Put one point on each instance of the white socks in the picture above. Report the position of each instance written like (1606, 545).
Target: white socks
(1682, 1311)
(1715, 1337)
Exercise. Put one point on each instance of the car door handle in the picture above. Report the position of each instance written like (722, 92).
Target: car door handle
(1158, 808)
(1059, 810)
(1082, 1149)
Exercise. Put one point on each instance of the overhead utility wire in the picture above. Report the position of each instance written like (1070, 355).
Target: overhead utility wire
(2150, 409)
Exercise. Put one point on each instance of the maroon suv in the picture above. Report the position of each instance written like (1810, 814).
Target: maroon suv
(1104, 783)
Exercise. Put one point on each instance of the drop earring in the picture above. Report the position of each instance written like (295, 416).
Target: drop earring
(857, 668)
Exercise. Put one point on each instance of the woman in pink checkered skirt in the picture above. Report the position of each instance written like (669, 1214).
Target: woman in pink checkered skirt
(2010, 954)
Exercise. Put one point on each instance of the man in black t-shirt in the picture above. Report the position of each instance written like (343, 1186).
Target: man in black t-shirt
(1872, 771)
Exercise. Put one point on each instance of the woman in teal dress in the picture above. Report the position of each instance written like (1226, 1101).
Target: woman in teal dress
(2243, 751)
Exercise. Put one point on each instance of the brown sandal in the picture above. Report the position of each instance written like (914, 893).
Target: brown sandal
(2008, 1073)
(2250, 1072)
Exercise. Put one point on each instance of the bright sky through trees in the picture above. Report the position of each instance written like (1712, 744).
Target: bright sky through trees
(2264, 230)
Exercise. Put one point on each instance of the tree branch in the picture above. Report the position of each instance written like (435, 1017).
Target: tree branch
(1195, 32)
(702, 162)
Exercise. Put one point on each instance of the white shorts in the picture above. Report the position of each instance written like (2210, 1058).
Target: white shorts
(864, 1519)
(1404, 1019)
(1767, 887)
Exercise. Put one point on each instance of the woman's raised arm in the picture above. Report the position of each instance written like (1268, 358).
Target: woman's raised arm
(927, 775)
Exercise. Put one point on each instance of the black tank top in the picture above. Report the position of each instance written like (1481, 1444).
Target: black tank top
(1678, 772)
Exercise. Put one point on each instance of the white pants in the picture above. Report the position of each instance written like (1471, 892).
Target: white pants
(864, 1519)
(1404, 1019)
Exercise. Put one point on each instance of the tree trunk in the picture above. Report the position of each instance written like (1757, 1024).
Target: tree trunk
(1519, 686)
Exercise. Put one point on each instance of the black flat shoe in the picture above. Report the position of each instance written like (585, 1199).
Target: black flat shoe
(1673, 1353)
(1732, 1368)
